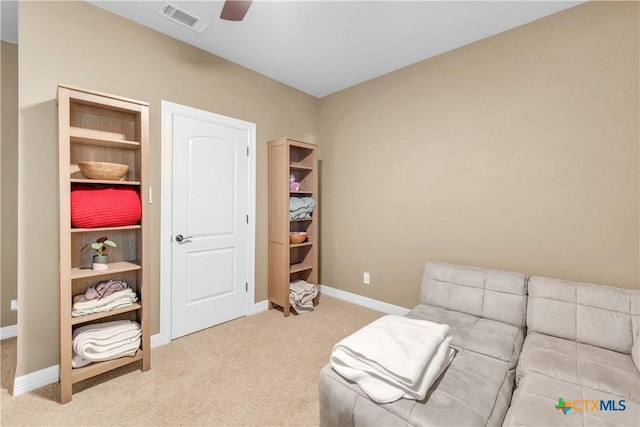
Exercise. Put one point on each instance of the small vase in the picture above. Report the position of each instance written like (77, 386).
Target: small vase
(100, 262)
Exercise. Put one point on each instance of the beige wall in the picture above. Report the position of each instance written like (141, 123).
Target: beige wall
(9, 179)
(88, 47)
(516, 152)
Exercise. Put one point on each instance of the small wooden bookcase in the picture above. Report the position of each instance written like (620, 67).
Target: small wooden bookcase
(94, 126)
(289, 262)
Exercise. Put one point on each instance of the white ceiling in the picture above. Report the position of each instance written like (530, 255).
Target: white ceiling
(321, 47)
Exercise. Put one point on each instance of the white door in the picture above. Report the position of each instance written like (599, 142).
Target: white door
(209, 221)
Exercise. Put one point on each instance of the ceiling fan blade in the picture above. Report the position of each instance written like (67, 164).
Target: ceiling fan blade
(235, 10)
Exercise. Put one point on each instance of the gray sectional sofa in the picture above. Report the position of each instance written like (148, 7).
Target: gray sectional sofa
(578, 347)
(579, 344)
(486, 312)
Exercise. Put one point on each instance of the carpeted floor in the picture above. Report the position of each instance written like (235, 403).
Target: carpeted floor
(258, 370)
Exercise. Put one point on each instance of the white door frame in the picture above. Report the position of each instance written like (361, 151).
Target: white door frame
(166, 239)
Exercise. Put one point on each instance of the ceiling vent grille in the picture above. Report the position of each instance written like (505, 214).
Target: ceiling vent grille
(183, 17)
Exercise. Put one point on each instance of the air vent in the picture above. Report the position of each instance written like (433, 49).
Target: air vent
(183, 17)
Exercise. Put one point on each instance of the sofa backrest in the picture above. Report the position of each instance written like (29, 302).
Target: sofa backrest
(602, 316)
(490, 294)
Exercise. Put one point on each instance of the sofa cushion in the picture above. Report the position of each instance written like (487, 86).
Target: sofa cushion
(534, 404)
(591, 314)
(488, 337)
(474, 390)
(580, 364)
(490, 294)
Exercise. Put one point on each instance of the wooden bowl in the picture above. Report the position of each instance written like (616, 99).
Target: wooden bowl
(103, 170)
(296, 237)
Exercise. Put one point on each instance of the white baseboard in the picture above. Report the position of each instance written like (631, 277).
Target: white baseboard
(363, 301)
(26, 383)
(157, 340)
(8, 332)
(259, 307)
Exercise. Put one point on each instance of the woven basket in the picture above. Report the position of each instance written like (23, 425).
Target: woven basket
(103, 170)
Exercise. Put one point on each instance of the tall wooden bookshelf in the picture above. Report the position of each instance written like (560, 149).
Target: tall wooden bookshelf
(94, 126)
(289, 262)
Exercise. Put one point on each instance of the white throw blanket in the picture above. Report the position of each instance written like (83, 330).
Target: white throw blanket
(301, 295)
(394, 357)
(105, 341)
(82, 306)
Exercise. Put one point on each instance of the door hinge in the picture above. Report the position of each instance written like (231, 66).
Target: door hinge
(246, 286)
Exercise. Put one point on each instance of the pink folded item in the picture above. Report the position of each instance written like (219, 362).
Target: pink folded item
(105, 288)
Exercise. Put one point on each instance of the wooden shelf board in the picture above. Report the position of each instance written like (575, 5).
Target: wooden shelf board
(300, 167)
(101, 138)
(300, 192)
(82, 94)
(296, 268)
(89, 230)
(298, 245)
(96, 316)
(114, 267)
(97, 368)
(102, 181)
(300, 144)
(300, 219)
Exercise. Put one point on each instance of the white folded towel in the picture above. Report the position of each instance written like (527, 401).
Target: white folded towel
(394, 357)
(83, 306)
(105, 341)
(119, 303)
(81, 303)
(128, 349)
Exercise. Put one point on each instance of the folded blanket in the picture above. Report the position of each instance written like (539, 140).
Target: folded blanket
(301, 207)
(105, 341)
(394, 357)
(126, 349)
(82, 306)
(301, 295)
(93, 348)
(106, 332)
(119, 303)
(82, 303)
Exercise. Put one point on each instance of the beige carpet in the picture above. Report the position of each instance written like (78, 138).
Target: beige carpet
(257, 370)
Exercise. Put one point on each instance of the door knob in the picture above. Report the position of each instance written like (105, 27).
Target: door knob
(180, 238)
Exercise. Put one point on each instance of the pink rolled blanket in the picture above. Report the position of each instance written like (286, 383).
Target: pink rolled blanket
(105, 288)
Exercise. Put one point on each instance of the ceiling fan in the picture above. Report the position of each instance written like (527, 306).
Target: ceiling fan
(235, 10)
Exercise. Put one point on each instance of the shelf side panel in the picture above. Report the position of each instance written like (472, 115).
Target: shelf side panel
(142, 244)
(278, 193)
(64, 283)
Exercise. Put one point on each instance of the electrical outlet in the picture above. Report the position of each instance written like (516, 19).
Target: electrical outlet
(14, 305)
(366, 279)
